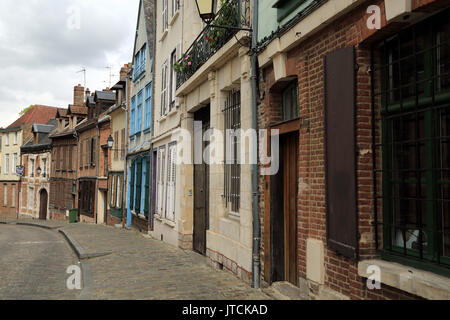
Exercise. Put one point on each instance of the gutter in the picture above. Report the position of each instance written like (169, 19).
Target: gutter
(256, 274)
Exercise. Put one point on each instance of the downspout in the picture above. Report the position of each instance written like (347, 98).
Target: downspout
(75, 135)
(254, 167)
(98, 172)
(125, 171)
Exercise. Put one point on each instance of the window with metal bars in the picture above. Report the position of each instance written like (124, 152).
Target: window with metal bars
(232, 116)
(412, 153)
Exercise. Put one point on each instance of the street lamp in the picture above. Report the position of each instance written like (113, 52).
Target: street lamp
(206, 9)
(110, 142)
(39, 171)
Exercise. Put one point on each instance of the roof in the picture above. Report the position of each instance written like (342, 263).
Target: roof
(38, 114)
(62, 113)
(78, 110)
(43, 128)
(44, 140)
(105, 95)
(149, 13)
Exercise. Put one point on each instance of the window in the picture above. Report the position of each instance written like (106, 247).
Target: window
(32, 168)
(148, 106)
(286, 7)
(165, 15)
(70, 166)
(118, 192)
(15, 162)
(171, 178)
(15, 138)
(140, 60)
(7, 163)
(164, 98)
(116, 150)
(113, 191)
(290, 108)
(122, 145)
(5, 195)
(173, 79)
(143, 184)
(13, 196)
(138, 181)
(139, 114)
(7, 139)
(92, 151)
(81, 154)
(31, 198)
(415, 142)
(175, 7)
(133, 116)
(232, 144)
(44, 169)
(160, 164)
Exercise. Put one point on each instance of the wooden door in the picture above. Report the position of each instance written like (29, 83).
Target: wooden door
(283, 212)
(201, 190)
(43, 205)
(290, 156)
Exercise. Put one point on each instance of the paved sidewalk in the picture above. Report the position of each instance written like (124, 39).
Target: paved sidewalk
(142, 268)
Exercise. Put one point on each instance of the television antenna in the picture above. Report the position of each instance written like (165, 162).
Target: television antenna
(111, 75)
(84, 76)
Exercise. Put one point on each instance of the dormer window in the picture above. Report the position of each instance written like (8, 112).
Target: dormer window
(140, 61)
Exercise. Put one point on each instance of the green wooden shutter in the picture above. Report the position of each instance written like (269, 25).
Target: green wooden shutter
(147, 186)
(131, 204)
(138, 186)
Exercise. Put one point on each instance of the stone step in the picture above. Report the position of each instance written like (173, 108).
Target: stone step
(285, 291)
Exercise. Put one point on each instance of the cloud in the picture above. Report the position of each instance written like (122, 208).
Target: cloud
(44, 43)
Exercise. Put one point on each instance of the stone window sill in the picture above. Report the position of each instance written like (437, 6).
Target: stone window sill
(414, 281)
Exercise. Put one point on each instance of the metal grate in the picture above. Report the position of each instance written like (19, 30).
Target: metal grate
(411, 109)
(232, 117)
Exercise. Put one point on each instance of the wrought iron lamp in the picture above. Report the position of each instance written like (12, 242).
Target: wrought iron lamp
(110, 142)
(207, 11)
(39, 171)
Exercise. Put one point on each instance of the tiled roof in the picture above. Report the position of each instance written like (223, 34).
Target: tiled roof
(106, 95)
(38, 114)
(62, 113)
(78, 110)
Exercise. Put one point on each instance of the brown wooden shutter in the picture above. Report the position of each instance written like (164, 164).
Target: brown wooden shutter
(342, 216)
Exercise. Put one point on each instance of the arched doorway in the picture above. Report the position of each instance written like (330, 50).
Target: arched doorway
(43, 204)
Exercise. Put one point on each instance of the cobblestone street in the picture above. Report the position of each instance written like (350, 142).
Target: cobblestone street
(138, 267)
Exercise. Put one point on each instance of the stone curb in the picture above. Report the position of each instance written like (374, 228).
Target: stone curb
(79, 250)
(29, 224)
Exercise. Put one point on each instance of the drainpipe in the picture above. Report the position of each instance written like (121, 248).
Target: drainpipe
(125, 169)
(75, 135)
(254, 167)
(98, 172)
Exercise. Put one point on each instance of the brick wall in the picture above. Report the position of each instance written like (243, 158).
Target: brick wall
(306, 63)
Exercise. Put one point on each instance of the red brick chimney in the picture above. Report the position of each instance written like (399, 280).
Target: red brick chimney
(78, 95)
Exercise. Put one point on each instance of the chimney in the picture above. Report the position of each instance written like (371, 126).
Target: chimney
(78, 95)
(88, 93)
(123, 71)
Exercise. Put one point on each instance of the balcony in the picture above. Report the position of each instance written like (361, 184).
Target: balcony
(233, 13)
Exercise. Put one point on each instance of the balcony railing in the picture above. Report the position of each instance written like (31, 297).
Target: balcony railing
(233, 13)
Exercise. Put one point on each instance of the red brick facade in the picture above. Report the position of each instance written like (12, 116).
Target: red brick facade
(305, 62)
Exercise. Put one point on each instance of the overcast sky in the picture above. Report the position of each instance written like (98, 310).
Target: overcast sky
(43, 43)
